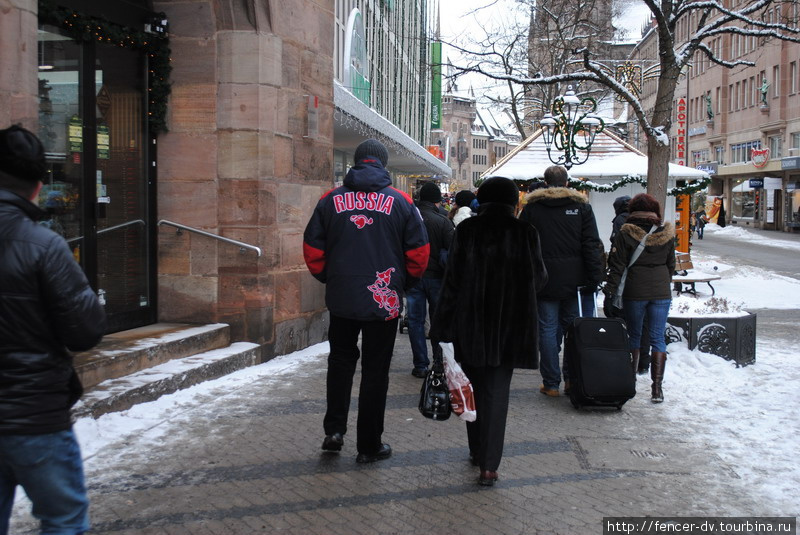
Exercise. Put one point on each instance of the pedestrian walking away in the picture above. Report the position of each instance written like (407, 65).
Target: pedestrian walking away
(47, 309)
(462, 209)
(647, 287)
(621, 211)
(700, 221)
(367, 243)
(487, 309)
(573, 254)
(422, 298)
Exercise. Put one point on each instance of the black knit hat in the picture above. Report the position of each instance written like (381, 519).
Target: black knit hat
(464, 197)
(498, 189)
(374, 148)
(430, 192)
(21, 154)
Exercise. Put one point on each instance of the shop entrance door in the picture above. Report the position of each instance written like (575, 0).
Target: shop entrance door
(99, 190)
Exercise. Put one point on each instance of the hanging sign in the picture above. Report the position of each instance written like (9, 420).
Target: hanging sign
(760, 156)
(75, 134)
(355, 77)
(681, 133)
(312, 108)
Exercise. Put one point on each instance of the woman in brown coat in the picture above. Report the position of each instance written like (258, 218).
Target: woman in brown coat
(647, 288)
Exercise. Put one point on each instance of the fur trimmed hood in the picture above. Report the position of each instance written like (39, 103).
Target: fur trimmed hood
(659, 237)
(555, 194)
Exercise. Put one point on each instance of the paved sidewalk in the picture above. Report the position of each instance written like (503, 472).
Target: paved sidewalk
(248, 460)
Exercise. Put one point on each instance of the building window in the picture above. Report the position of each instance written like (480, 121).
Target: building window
(740, 152)
(795, 144)
(775, 147)
(793, 78)
(719, 154)
(776, 80)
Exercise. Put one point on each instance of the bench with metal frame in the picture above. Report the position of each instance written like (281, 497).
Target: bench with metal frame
(683, 281)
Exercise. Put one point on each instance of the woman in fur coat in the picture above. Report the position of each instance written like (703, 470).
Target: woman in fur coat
(648, 283)
(487, 309)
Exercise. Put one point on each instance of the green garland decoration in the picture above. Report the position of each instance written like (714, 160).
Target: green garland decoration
(588, 185)
(84, 28)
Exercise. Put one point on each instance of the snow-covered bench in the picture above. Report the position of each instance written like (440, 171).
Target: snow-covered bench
(686, 277)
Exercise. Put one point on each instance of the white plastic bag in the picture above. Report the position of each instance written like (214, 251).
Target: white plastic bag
(461, 396)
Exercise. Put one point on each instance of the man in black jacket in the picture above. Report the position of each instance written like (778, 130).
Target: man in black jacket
(46, 309)
(572, 253)
(425, 295)
(367, 243)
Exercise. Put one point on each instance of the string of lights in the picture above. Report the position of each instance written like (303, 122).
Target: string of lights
(155, 44)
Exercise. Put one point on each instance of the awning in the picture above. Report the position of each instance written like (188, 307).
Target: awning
(354, 121)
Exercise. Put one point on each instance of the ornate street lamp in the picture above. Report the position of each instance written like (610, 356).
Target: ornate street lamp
(570, 130)
(461, 153)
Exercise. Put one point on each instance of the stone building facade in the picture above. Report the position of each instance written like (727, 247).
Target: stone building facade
(191, 208)
(741, 125)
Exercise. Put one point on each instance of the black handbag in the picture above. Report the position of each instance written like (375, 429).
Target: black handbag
(434, 397)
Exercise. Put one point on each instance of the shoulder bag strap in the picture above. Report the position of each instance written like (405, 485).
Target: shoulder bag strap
(634, 258)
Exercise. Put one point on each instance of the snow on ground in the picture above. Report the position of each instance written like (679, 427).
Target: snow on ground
(747, 416)
(741, 234)
(94, 435)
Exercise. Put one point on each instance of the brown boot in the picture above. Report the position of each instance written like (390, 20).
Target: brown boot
(658, 360)
(635, 360)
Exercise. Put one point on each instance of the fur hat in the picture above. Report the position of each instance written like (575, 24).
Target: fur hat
(374, 148)
(430, 192)
(21, 154)
(499, 189)
(464, 197)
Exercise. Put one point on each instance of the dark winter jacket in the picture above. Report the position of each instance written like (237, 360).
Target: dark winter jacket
(621, 211)
(487, 307)
(651, 276)
(367, 242)
(46, 308)
(440, 234)
(571, 246)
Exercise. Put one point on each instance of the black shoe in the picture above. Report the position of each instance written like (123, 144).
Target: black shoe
(419, 372)
(333, 442)
(487, 478)
(384, 452)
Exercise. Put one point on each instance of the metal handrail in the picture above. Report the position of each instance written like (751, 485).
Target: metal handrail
(109, 229)
(242, 246)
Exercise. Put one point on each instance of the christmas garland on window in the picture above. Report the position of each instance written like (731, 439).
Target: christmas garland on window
(84, 28)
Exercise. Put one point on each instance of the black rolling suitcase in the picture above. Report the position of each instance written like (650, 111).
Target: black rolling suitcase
(599, 362)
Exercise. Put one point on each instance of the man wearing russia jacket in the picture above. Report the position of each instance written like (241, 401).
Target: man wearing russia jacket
(367, 243)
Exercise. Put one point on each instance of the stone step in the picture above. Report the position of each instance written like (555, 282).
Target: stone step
(127, 352)
(118, 394)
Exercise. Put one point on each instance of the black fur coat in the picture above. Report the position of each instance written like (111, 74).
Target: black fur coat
(487, 307)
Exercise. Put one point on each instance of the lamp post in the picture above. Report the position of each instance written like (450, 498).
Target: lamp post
(570, 129)
(461, 153)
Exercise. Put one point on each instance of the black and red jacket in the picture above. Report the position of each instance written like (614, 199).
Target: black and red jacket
(367, 242)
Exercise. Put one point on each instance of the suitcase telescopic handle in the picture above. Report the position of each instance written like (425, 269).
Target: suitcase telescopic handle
(580, 304)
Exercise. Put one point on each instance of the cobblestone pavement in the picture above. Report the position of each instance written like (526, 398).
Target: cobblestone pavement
(247, 459)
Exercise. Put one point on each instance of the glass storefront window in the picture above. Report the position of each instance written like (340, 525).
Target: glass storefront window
(744, 199)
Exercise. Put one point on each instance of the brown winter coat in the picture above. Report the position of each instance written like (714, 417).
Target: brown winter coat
(651, 276)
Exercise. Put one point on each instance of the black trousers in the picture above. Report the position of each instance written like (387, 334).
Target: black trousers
(487, 433)
(377, 345)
